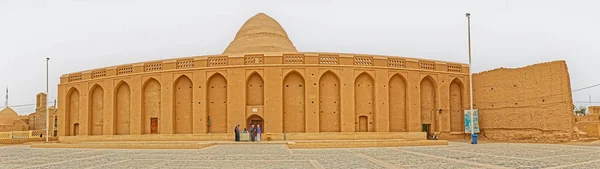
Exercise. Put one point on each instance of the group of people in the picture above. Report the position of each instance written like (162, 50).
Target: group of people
(254, 132)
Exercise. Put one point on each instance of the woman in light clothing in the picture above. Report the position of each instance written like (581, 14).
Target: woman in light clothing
(258, 131)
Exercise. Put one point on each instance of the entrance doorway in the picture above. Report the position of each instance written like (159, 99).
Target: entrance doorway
(154, 125)
(363, 124)
(255, 120)
(76, 129)
(427, 129)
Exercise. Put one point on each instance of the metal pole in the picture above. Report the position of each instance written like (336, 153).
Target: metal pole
(46, 107)
(470, 69)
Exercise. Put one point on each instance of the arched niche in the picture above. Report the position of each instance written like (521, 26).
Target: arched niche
(293, 103)
(122, 109)
(217, 104)
(329, 103)
(456, 106)
(182, 103)
(255, 90)
(364, 95)
(151, 100)
(96, 110)
(397, 104)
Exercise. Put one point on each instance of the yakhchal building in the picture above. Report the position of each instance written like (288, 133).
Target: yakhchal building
(261, 78)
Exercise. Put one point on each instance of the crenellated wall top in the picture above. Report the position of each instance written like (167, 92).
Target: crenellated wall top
(270, 59)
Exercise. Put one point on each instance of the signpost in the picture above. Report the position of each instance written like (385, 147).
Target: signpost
(472, 124)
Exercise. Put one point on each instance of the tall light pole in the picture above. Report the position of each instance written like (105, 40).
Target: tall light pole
(468, 15)
(47, 95)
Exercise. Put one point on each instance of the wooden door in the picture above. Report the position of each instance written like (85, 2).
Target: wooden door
(362, 124)
(154, 125)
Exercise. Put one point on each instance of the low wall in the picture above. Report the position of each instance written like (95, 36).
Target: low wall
(265, 137)
(532, 103)
(591, 128)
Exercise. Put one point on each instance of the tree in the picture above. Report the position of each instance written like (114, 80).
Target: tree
(580, 111)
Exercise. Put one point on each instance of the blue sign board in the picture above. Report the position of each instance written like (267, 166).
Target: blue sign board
(474, 123)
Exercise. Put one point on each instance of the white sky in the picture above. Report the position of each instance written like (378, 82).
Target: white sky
(87, 34)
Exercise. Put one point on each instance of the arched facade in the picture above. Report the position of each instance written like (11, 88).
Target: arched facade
(265, 76)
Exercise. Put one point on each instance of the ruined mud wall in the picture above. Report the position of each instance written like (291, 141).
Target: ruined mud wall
(532, 103)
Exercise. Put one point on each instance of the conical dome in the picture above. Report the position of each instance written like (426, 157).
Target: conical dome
(8, 116)
(259, 34)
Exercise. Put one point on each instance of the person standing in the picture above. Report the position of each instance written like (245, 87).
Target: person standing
(258, 131)
(252, 130)
(237, 132)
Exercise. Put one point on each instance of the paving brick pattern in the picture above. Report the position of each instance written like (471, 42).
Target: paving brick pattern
(456, 155)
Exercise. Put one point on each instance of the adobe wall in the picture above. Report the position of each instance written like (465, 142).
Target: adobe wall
(291, 92)
(532, 103)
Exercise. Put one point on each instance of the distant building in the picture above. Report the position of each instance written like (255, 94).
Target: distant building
(37, 119)
(9, 121)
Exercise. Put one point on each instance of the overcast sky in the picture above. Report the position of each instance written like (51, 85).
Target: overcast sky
(87, 34)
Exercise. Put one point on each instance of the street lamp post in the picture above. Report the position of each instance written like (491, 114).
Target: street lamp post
(472, 126)
(47, 95)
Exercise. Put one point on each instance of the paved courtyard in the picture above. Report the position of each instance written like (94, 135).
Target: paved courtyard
(456, 155)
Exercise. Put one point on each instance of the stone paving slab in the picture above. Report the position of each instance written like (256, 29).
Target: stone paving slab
(455, 155)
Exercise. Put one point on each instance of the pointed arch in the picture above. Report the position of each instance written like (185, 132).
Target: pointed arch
(397, 103)
(294, 95)
(428, 90)
(96, 110)
(151, 100)
(255, 90)
(182, 105)
(364, 100)
(456, 105)
(122, 106)
(72, 117)
(329, 103)
(217, 103)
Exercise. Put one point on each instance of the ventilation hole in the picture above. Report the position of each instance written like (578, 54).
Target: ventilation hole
(492, 88)
(299, 85)
(260, 86)
(287, 85)
(359, 85)
(313, 74)
(313, 102)
(383, 85)
(321, 111)
(199, 86)
(212, 102)
(250, 85)
(198, 102)
(333, 112)
(212, 87)
(178, 87)
(492, 105)
(543, 100)
(321, 102)
(515, 103)
(190, 87)
(334, 102)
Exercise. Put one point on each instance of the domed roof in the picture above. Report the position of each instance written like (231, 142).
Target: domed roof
(8, 116)
(259, 34)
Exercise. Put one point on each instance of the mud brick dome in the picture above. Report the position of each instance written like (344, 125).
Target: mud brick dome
(261, 78)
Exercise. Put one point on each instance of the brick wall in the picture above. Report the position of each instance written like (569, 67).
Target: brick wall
(532, 103)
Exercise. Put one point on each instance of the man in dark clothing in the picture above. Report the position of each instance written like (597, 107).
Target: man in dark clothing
(237, 132)
(252, 130)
